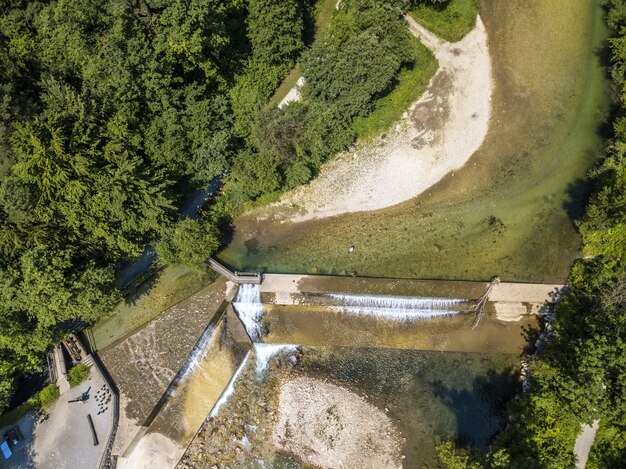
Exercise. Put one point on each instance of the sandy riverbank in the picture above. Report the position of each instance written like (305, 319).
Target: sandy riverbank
(437, 135)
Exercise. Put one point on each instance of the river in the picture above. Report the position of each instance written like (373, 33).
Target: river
(509, 211)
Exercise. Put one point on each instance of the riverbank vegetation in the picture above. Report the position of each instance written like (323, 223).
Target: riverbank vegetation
(580, 376)
(112, 113)
(449, 19)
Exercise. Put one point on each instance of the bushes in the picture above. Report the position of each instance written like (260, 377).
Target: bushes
(48, 395)
(356, 61)
(358, 58)
(191, 243)
(276, 33)
(78, 374)
(42, 399)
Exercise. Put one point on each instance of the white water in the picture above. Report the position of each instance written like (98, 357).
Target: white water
(193, 359)
(250, 309)
(404, 308)
(230, 388)
(264, 353)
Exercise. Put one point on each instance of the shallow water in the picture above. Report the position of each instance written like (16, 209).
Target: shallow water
(509, 211)
(429, 396)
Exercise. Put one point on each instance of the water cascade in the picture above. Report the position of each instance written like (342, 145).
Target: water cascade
(193, 359)
(230, 388)
(264, 353)
(250, 309)
(398, 308)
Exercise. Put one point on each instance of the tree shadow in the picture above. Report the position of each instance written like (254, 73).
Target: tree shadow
(480, 410)
(308, 15)
(578, 193)
(23, 431)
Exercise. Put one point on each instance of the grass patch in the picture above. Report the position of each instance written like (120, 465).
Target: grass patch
(169, 286)
(284, 88)
(78, 374)
(410, 86)
(451, 23)
(324, 10)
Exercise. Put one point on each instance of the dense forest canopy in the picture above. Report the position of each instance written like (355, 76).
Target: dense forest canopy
(112, 112)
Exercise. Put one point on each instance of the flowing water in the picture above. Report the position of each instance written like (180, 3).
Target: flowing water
(250, 310)
(509, 211)
(428, 396)
(432, 375)
(265, 352)
(396, 307)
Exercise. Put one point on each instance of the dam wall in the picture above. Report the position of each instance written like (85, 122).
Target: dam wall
(507, 300)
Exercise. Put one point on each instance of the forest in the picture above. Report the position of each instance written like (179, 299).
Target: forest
(580, 376)
(113, 112)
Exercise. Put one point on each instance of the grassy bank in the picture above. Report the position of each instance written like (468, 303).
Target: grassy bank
(323, 14)
(412, 83)
(167, 287)
(450, 23)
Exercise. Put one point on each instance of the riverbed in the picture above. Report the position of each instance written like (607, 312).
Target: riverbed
(510, 210)
(419, 397)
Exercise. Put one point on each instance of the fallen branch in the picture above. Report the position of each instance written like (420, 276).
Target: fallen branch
(479, 306)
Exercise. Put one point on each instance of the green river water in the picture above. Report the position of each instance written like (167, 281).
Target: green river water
(510, 210)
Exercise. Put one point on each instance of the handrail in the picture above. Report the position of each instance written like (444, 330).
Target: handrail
(237, 277)
(106, 461)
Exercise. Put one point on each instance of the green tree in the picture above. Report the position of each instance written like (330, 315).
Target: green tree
(191, 243)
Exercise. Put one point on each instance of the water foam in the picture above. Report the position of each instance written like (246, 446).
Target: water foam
(264, 353)
(193, 359)
(404, 308)
(250, 309)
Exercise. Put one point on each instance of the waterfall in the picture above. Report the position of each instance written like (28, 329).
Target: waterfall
(264, 352)
(404, 308)
(193, 359)
(230, 388)
(250, 309)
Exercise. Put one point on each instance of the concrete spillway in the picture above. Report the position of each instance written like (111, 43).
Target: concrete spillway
(403, 308)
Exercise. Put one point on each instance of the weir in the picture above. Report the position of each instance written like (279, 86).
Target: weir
(279, 314)
(507, 300)
(375, 321)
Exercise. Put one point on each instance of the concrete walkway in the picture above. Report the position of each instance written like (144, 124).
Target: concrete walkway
(65, 439)
(59, 364)
(584, 442)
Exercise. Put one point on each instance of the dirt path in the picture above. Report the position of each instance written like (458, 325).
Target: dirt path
(437, 135)
(584, 442)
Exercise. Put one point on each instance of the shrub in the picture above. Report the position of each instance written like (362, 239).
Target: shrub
(48, 395)
(78, 374)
